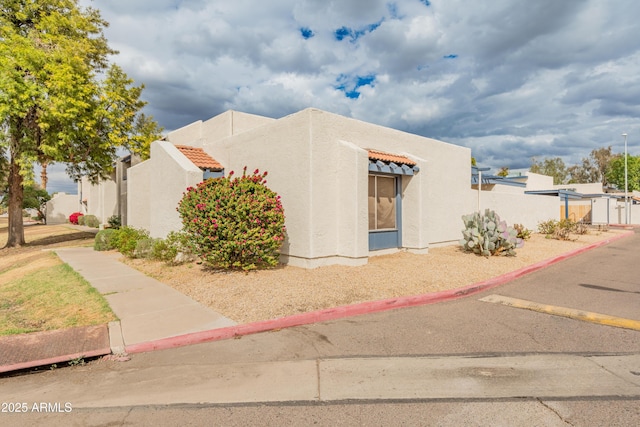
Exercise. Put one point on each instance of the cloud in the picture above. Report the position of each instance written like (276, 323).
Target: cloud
(511, 79)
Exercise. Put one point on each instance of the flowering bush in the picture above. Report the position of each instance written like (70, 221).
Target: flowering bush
(73, 218)
(234, 222)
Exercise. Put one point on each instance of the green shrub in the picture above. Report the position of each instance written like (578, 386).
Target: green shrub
(523, 232)
(126, 238)
(234, 222)
(581, 228)
(90, 221)
(144, 248)
(547, 227)
(104, 240)
(562, 229)
(81, 219)
(114, 221)
(175, 249)
(488, 235)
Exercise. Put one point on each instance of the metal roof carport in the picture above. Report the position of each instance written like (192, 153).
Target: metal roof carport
(564, 195)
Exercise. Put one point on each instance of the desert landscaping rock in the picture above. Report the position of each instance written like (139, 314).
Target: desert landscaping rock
(284, 291)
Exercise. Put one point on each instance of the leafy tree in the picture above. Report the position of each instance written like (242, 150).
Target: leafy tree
(585, 173)
(146, 131)
(4, 173)
(615, 174)
(554, 167)
(35, 197)
(504, 171)
(602, 157)
(593, 169)
(59, 99)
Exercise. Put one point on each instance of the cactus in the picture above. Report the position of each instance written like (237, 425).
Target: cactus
(487, 235)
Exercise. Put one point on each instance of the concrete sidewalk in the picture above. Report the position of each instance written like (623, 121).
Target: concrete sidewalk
(147, 309)
(345, 379)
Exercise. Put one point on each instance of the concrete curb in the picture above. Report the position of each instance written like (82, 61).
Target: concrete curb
(35, 349)
(356, 309)
(54, 360)
(116, 341)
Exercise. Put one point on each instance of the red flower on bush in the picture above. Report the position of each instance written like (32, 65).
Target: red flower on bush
(73, 218)
(234, 222)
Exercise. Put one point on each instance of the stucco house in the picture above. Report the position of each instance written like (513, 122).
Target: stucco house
(350, 189)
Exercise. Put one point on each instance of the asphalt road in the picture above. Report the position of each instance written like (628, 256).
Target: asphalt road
(604, 280)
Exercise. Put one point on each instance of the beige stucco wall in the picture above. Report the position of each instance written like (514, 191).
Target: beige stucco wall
(219, 127)
(500, 188)
(101, 198)
(617, 214)
(170, 175)
(536, 181)
(525, 209)
(431, 197)
(139, 195)
(593, 188)
(61, 206)
(186, 135)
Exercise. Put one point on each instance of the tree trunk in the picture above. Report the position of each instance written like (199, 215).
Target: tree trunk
(43, 175)
(16, 197)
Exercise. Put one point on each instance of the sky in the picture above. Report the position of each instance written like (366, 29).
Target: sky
(510, 79)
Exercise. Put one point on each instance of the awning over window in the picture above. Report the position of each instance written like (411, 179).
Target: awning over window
(200, 158)
(391, 163)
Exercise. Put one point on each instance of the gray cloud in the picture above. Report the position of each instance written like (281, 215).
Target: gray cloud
(511, 79)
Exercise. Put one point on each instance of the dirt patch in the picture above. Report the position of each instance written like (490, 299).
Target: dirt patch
(34, 255)
(27, 263)
(286, 290)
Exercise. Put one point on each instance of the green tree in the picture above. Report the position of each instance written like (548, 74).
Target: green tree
(35, 197)
(146, 131)
(615, 174)
(587, 172)
(60, 101)
(593, 168)
(602, 158)
(554, 167)
(504, 171)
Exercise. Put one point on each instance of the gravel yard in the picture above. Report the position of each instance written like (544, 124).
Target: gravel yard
(284, 291)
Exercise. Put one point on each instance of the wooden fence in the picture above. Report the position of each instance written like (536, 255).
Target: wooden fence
(578, 213)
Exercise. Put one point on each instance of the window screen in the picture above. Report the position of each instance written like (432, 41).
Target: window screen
(382, 202)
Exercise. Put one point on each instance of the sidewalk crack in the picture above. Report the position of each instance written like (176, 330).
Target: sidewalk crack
(555, 412)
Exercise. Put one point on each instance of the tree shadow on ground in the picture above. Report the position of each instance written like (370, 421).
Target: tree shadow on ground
(52, 240)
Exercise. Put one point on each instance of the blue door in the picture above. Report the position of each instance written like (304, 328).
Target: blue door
(384, 212)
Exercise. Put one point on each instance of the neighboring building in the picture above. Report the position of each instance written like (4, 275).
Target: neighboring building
(60, 207)
(589, 202)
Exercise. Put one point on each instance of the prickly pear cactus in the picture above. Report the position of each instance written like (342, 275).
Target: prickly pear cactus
(487, 235)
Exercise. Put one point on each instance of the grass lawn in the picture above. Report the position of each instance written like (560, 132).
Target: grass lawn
(38, 292)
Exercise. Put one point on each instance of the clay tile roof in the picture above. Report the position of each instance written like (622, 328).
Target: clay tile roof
(390, 158)
(200, 158)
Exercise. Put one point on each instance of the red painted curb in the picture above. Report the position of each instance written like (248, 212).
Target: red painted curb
(356, 309)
